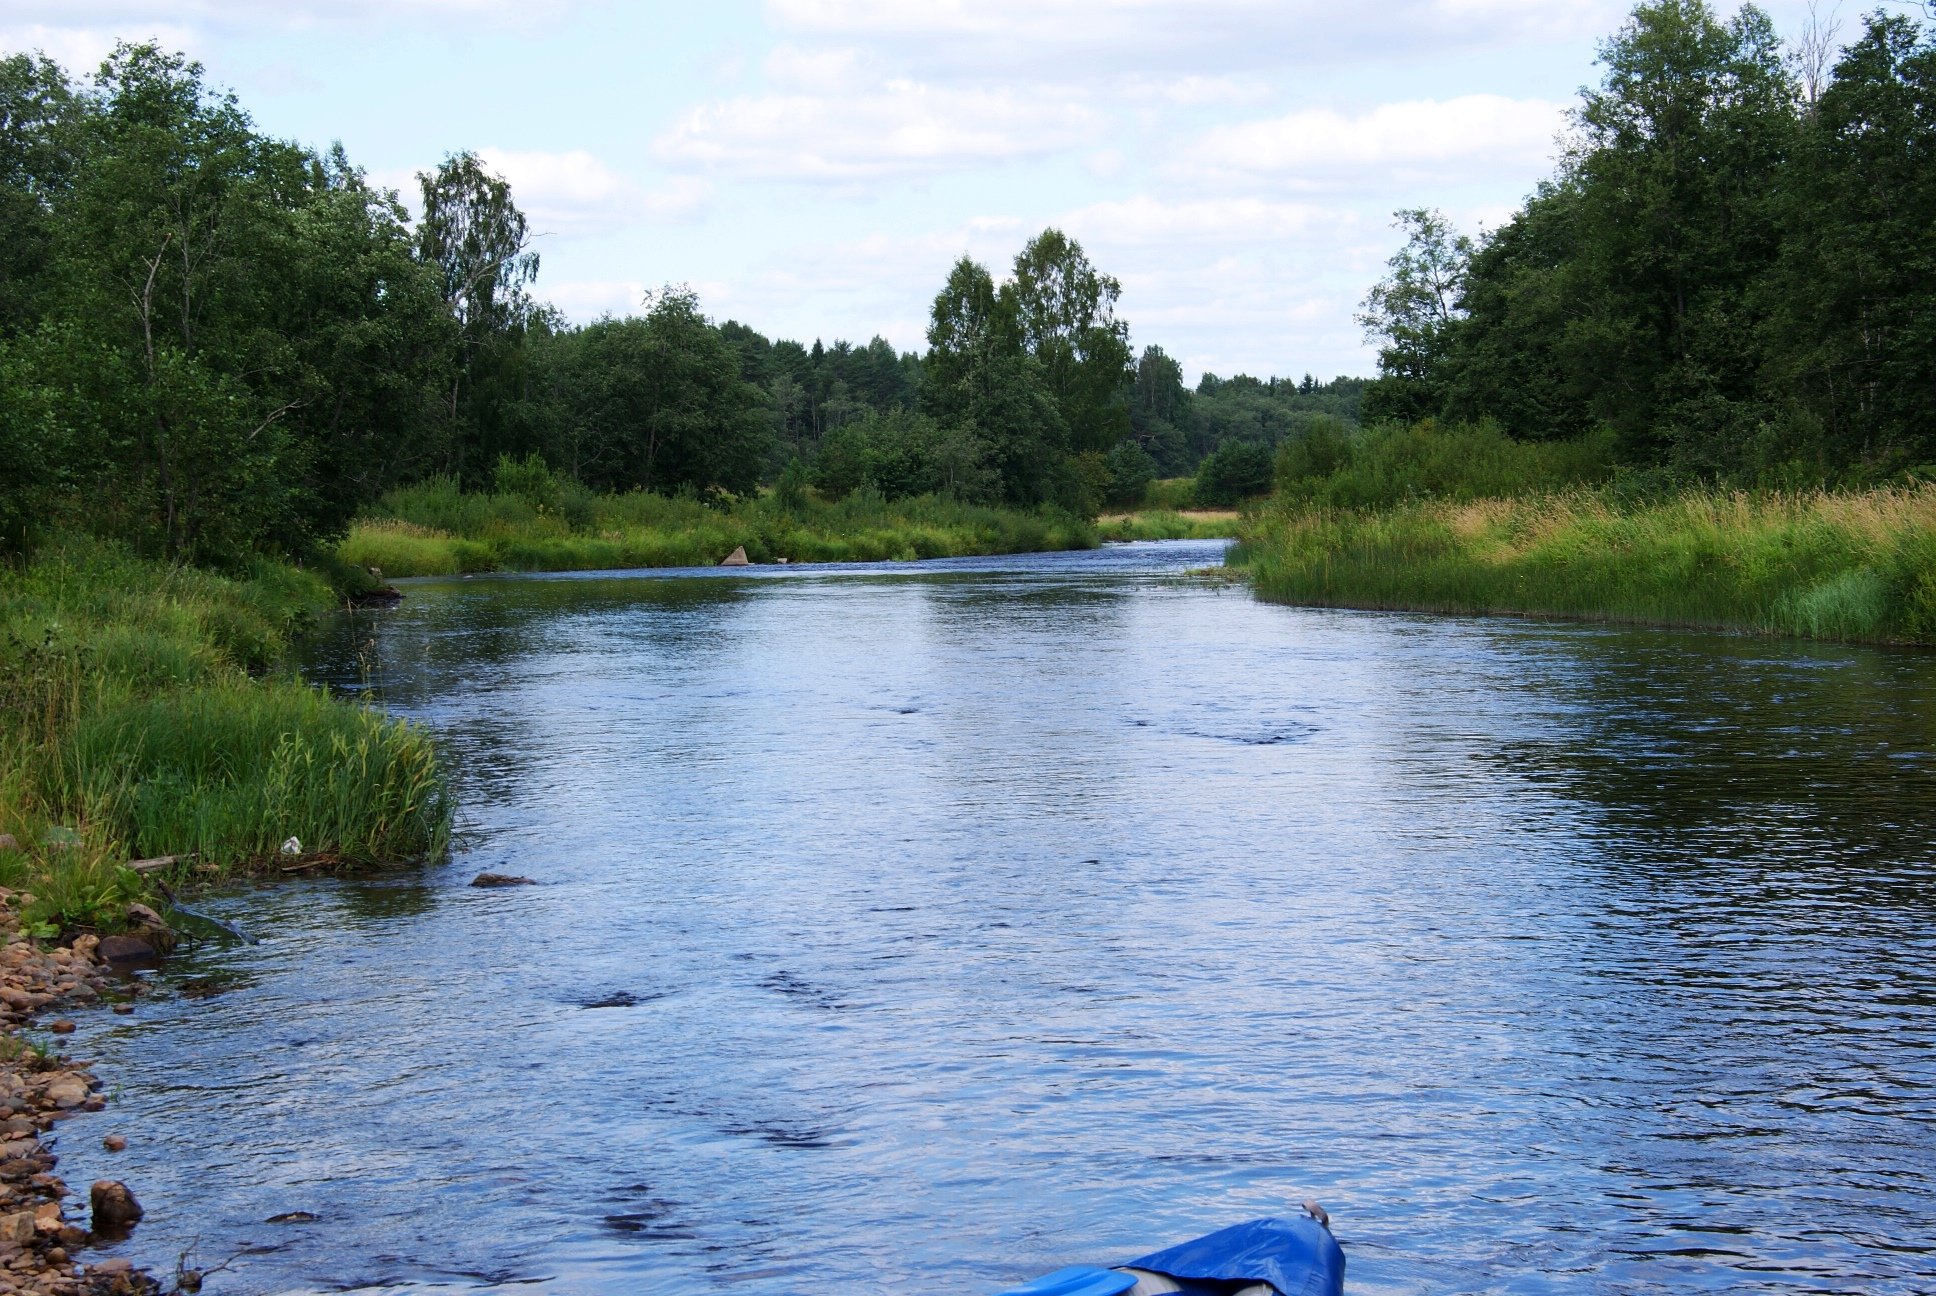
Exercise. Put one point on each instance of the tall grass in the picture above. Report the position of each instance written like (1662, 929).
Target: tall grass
(1169, 524)
(437, 530)
(1827, 565)
(1387, 464)
(142, 714)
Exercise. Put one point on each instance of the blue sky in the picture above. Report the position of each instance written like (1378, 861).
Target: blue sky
(812, 167)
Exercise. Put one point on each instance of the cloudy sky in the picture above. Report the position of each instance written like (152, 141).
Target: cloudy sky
(812, 167)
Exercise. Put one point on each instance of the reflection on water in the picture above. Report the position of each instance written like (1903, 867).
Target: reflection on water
(923, 928)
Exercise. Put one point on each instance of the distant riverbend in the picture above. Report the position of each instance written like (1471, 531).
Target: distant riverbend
(927, 926)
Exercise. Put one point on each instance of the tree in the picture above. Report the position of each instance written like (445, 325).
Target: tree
(38, 117)
(1850, 305)
(478, 242)
(1066, 313)
(979, 377)
(1414, 310)
(1159, 411)
(654, 402)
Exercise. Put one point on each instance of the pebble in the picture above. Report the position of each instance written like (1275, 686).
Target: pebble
(38, 1244)
(115, 1143)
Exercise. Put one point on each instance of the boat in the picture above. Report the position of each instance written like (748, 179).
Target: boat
(1263, 1257)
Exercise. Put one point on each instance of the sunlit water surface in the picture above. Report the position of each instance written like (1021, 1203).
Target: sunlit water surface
(922, 928)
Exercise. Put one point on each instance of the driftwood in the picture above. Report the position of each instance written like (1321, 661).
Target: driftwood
(157, 864)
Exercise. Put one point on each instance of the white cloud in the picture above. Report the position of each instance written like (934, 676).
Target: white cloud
(566, 193)
(256, 15)
(78, 34)
(1403, 142)
(1143, 220)
(570, 194)
(586, 299)
(902, 128)
(1092, 38)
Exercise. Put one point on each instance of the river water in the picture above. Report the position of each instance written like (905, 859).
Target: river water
(926, 927)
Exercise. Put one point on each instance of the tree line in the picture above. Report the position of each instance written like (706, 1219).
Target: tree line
(215, 343)
(1733, 267)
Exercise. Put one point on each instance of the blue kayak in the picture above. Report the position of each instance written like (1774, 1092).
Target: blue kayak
(1288, 1257)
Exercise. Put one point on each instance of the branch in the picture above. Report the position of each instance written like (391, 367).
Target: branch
(278, 413)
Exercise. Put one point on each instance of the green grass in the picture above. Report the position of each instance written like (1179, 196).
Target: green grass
(1388, 464)
(143, 713)
(1857, 566)
(437, 530)
(1168, 524)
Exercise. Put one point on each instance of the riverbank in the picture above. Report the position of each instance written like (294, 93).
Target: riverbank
(40, 1245)
(437, 530)
(1171, 524)
(1856, 566)
(146, 713)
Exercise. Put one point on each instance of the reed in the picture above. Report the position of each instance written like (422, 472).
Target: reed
(437, 530)
(1855, 565)
(1170, 524)
(144, 712)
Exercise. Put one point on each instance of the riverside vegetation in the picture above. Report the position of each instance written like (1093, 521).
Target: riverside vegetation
(144, 712)
(1688, 383)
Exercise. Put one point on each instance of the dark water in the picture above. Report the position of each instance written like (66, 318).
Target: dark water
(921, 929)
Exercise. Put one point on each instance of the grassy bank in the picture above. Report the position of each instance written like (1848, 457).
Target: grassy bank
(1170, 524)
(1829, 565)
(437, 530)
(143, 713)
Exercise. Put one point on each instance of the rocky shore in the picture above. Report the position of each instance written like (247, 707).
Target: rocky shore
(41, 1242)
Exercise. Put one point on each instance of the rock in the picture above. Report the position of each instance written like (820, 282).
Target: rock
(115, 1143)
(140, 915)
(62, 1027)
(17, 1229)
(501, 880)
(116, 1264)
(84, 947)
(737, 558)
(294, 1217)
(113, 1206)
(67, 1091)
(123, 949)
(124, 1010)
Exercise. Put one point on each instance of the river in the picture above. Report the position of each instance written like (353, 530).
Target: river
(920, 928)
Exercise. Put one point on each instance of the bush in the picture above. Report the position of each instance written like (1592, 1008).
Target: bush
(1390, 463)
(1237, 471)
(1131, 470)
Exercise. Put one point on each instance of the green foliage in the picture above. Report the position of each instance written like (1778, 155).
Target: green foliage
(1239, 470)
(1065, 310)
(141, 715)
(1391, 464)
(1853, 566)
(790, 490)
(436, 529)
(655, 402)
(1731, 270)
(1171, 494)
(223, 344)
(1413, 311)
(1130, 471)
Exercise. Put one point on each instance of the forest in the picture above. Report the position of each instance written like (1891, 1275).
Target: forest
(216, 345)
(1732, 270)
